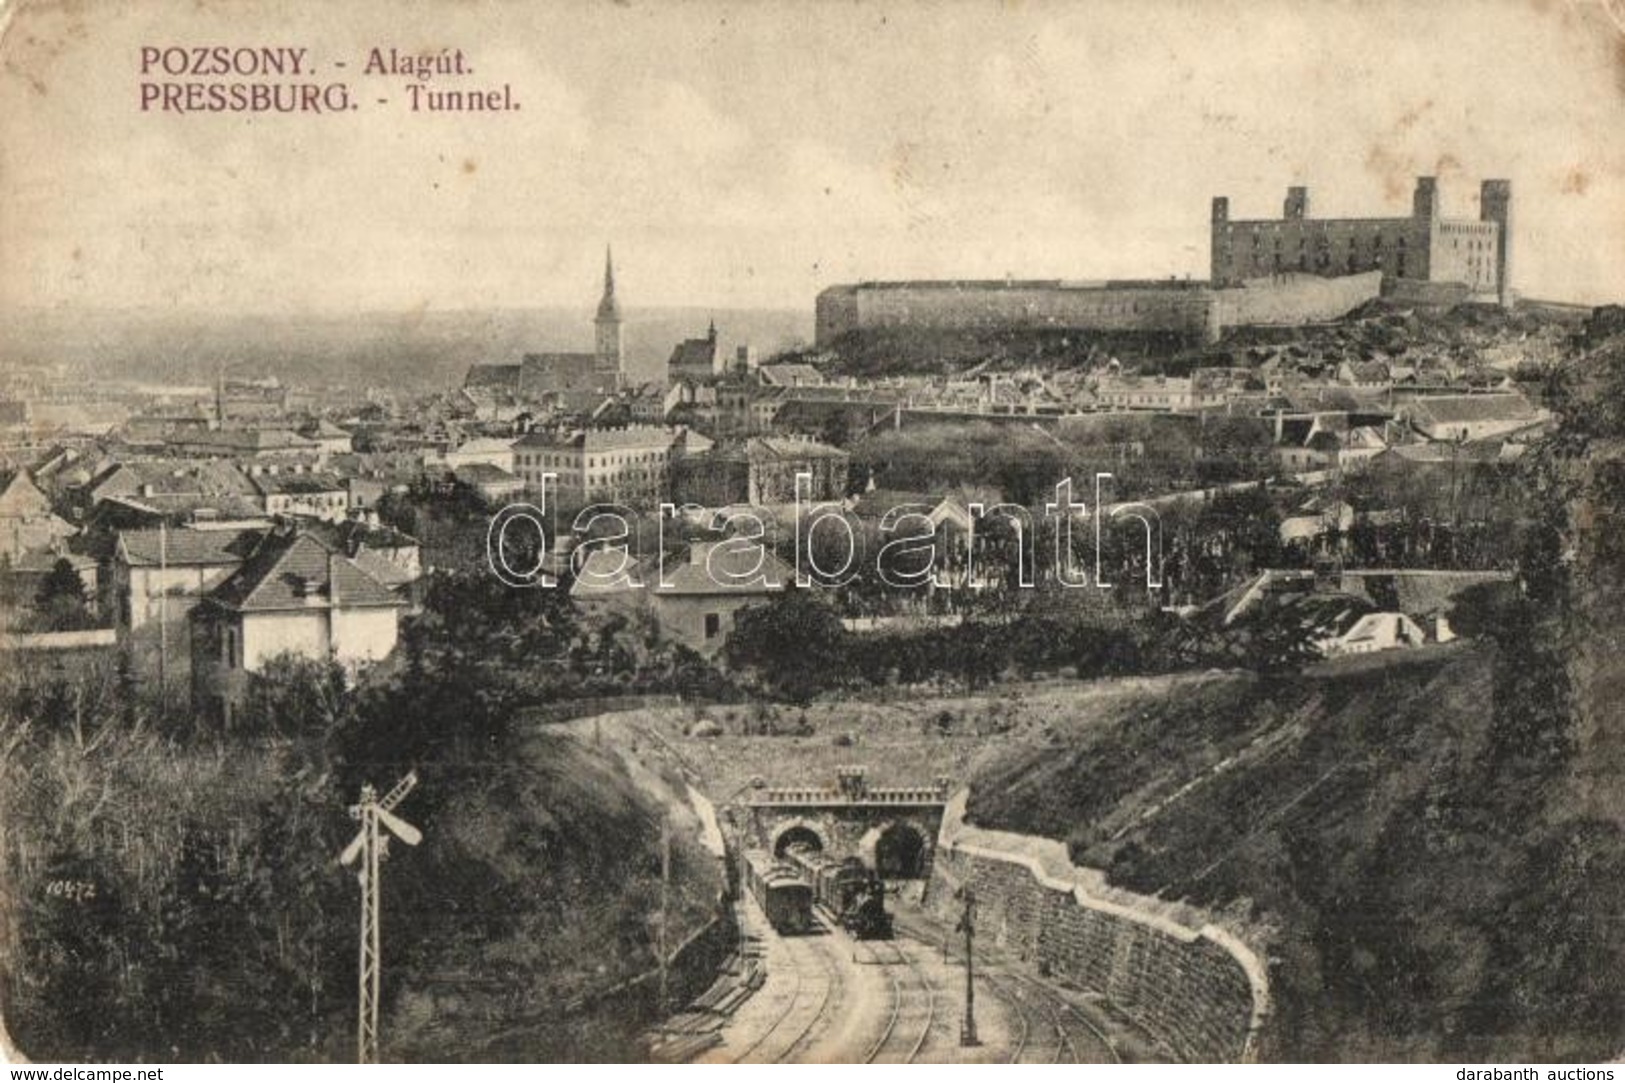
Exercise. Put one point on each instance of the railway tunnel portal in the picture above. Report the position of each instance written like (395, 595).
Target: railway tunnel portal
(892, 828)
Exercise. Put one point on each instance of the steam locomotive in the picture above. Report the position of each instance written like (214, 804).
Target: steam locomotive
(788, 888)
(847, 889)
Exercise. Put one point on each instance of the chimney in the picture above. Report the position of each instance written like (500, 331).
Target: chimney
(333, 580)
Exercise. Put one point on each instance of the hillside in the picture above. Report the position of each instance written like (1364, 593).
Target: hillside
(206, 899)
(1356, 818)
(541, 889)
(1468, 333)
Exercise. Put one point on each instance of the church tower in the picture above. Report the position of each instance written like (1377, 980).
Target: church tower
(607, 339)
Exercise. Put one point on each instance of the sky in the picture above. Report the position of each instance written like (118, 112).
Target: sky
(750, 154)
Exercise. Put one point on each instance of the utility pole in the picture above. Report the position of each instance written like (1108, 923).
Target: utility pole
(967, 925)
(1455, 514)
(370, 847)
(665, 902)
(163, 618)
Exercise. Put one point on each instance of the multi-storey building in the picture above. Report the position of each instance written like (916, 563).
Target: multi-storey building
(623, 465)
(762, 470)
(1426, 246)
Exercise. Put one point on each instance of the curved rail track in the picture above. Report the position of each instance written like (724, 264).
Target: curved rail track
(800, 998)
(906, 1051)
(1029, 999)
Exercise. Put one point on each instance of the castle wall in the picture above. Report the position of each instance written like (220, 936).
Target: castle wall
(1197, 311)
(1041, 306)
(1465, 251)
(1297, 298)
(835, 314)
(1021, 305)
(1322, 246)
(1411, 291)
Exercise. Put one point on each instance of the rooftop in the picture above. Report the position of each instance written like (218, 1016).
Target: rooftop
(296, 570)
(176, 548)
(727, 567)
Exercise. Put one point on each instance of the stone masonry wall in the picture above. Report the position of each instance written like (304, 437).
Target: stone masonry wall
(1201, 990)
(1294, 299)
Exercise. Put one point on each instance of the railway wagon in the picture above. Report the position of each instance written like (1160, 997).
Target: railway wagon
(781, 891)
(848, 889)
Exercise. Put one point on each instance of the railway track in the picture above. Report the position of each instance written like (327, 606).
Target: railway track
(1061, 1011)
(803, 1009)
(891, 1047)
(1029, 998)
(1024, 1027)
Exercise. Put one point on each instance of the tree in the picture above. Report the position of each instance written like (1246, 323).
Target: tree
(294, 695)
(60, 600)
(794, 644)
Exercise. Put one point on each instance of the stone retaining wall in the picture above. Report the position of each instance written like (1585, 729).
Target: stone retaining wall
(1201, 990)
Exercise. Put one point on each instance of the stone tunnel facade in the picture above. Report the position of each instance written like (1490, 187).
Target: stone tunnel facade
(893, 829)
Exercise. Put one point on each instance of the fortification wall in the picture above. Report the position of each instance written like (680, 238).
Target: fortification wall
(1411, 291)
(1200, 989)
(1331, 246)
(1100, 309)
(1031, 306)
(1297, 298)
(1195, 311)
(835, 313)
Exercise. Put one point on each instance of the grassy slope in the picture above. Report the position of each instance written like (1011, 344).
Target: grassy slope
(540, 884)
(1335, 827)
(533, 886)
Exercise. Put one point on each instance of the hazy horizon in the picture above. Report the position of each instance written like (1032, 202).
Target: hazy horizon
(422, 348)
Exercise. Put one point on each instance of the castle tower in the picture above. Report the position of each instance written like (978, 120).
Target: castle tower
(607, 328)
(1297, 204)
(1425, 200)
(1495, 205)
(1218, 247)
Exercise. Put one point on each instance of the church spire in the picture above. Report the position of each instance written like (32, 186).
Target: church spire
(609, 308)
(611, 359)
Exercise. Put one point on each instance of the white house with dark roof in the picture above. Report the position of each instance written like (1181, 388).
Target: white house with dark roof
(294, 595)
(790, 374)
(696, 602)
(316, 494)
(172, 568)
(329, 438)
(1473, 417)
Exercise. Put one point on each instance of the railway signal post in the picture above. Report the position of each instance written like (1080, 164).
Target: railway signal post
(967, 925)
(369, 848)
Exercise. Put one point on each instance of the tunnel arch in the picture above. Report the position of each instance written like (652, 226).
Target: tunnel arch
(795, 834)
(901, 851)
